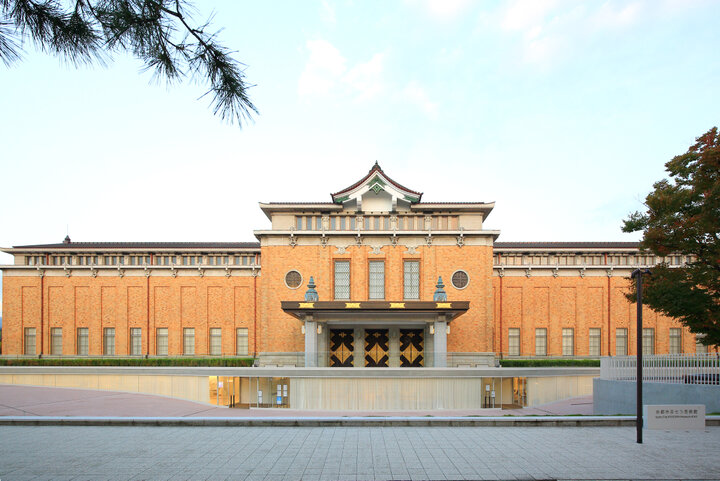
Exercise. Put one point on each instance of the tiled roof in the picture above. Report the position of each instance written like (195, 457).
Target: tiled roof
(566, 245)
(375, 168)
(144, 245)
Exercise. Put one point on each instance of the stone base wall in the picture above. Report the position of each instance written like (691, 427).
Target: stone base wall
(619, 397)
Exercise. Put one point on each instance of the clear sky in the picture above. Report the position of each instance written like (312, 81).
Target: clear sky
(562, 112)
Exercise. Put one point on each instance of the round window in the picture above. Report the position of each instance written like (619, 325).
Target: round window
(460, 279)
(293, 279)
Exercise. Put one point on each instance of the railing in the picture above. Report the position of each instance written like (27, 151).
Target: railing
(671, 368)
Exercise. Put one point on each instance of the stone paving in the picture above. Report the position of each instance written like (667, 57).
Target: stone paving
(354, 453)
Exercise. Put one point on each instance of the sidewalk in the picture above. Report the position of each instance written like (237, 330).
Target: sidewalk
(17, 400)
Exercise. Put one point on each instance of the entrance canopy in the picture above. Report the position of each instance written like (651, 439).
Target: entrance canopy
(376, 311)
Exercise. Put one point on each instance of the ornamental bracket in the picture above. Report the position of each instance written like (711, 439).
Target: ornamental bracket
(121, 272)
(324, 240)
(173, 271)
(428, 239)
(147, 271)
(610, 271)
(394, 240)
(582, 271)
(528, 272)
(556, 270)
(254, 271)
(293, 239)
(68, 272)
(227, 271)
(501, 272)
(358, 239)
(41, 271)
(201, 271)
(461, 238)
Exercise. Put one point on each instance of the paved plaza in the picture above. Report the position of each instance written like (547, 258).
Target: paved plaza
(354, 453)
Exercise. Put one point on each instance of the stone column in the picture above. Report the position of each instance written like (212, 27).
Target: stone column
(311, 343)
(440, 341)
(394, 347)
(359, 350)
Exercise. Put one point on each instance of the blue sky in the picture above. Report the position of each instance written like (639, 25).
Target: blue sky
(562, 112)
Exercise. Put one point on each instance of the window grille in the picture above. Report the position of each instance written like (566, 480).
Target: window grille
(135, 341)
(377, 280)
(83, 343)
(460, 279)
(189, 341)
(215, 341)
(342, 279)
(621, 341)
(648, 341)
(109, 341)
(594, 342)
(513, 341)
(161, 341)
(675, 340)
(242, 341)
(568, 341)
(293, 279)
(29, 341)
(412, 280)
(56, 341)
(541, 341)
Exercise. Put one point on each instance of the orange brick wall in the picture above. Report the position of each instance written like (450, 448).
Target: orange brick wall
(472, 332)
(123, 303)
(574, 302)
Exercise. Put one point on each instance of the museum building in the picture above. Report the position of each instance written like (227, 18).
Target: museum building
(373, 278)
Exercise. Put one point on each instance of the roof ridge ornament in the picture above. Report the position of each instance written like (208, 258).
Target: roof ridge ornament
(440, 295)
(311, 294)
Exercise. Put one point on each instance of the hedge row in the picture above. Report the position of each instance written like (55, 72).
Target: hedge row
(550, 362)
(151, 362)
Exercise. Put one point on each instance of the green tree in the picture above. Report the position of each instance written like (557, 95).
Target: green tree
(683, 217)
(160, 33)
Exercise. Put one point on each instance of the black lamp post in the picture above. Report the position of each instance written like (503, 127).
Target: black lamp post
(637, 275)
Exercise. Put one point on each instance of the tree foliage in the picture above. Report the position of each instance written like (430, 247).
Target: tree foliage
(160, 33)
(683, 217)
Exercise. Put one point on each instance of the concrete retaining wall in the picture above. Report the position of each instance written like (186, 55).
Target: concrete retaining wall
(618, 397)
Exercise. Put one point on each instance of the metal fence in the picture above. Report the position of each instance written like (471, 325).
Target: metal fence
(671, 368)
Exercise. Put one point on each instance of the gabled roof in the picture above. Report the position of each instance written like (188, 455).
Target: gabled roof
(376, 180)
(142, 245)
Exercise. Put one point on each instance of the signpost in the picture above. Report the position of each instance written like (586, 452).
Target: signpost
(637, 274)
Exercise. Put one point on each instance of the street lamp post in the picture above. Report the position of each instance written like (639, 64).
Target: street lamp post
(637, 275)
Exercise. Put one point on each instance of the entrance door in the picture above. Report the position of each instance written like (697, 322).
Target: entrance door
(376, 347)
(411, 348)
(342, 344)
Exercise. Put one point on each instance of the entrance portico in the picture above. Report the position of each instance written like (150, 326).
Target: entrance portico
(376, 333)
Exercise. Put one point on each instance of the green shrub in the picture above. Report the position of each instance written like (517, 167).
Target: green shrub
(150, 362)
(550, 362)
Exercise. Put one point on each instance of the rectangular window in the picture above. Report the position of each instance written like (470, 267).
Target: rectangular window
(29, 341)
(189, 341)
(411, 279)
(241, 341)
(342, 279)
(215, 341)
(376, 223)
(333, 223)
(700, 348)
(568, 341)
(299, 224)
(161, 341)
(648, 341)
(621, 341)
(513, 341)
(135, 341)
(56, 341)
(83, 341)
(109, 341)
(308, 223)
(342, 223)
(594, 342)
(386, 223)
(318, 223)
(377, 280)
(541, 341)
(675, 340)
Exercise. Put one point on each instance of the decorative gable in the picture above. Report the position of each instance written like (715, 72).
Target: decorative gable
(376, 183)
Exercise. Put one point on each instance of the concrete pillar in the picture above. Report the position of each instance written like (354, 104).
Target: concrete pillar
(394, 347)
(311, 343)
(440, 342)
(323, 346)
